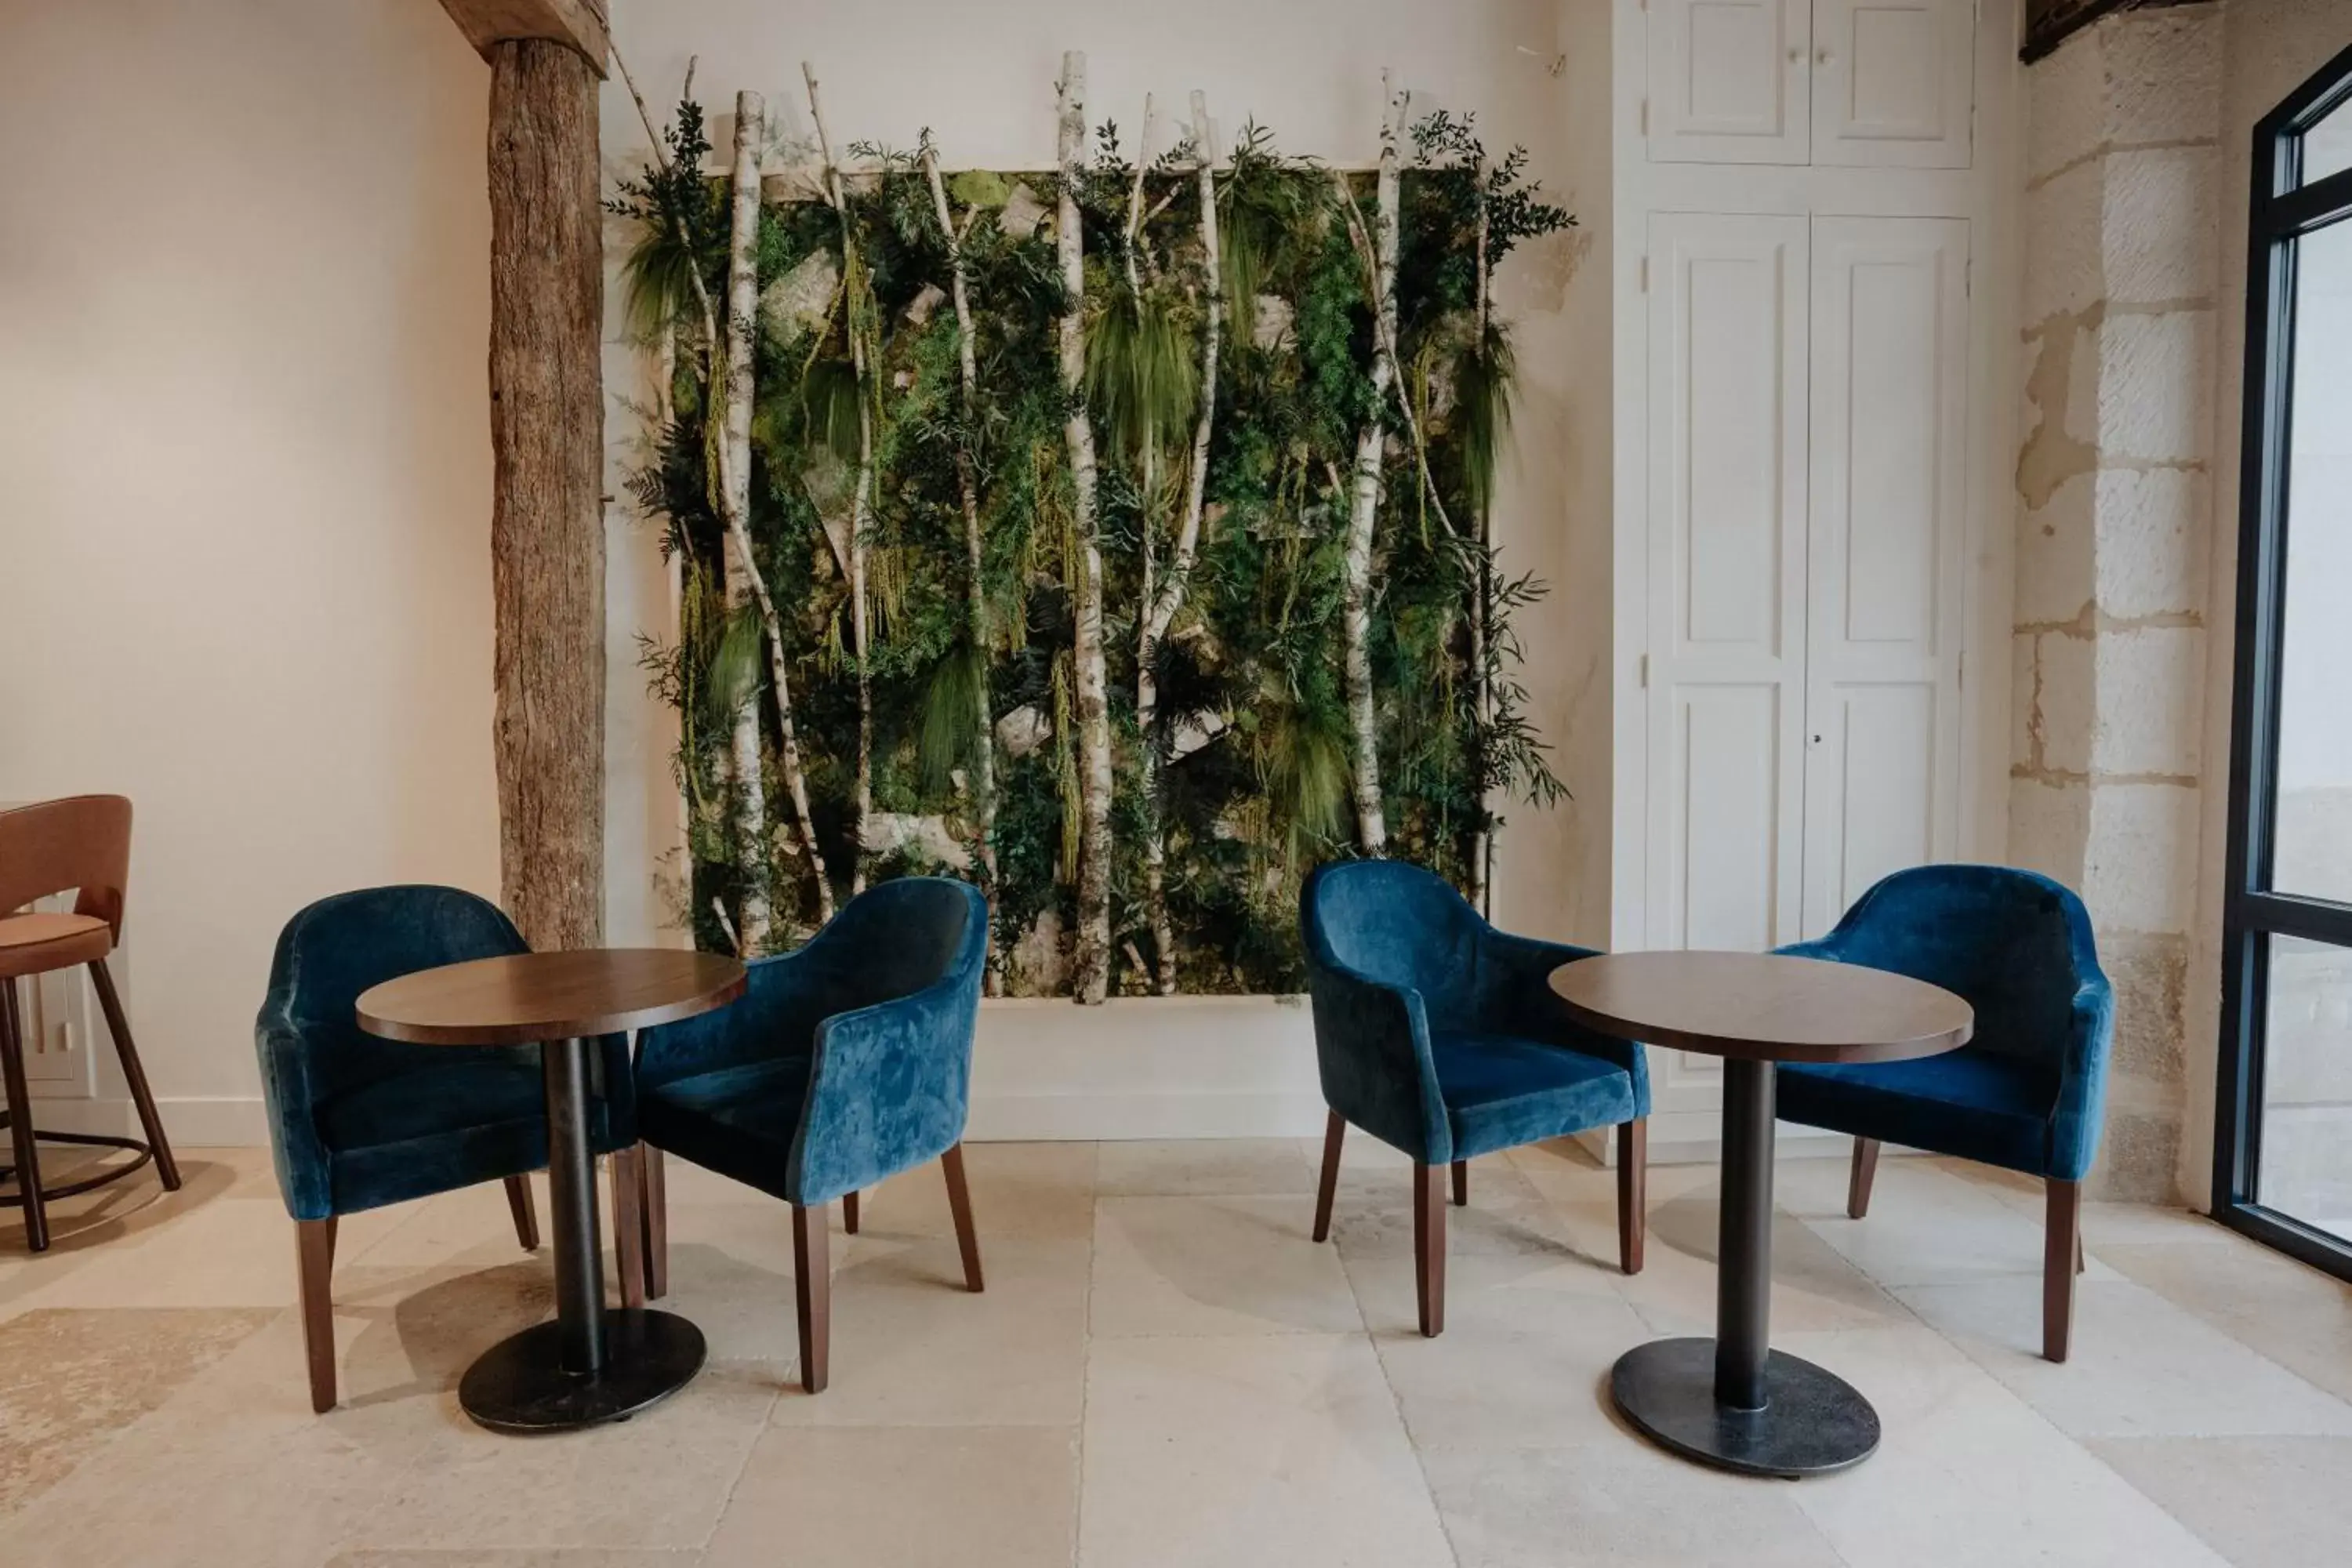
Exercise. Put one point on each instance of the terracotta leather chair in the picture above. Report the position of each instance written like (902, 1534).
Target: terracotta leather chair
(81, 842)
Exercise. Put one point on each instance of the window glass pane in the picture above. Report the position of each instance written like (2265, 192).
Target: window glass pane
(2327, 146)
(2313, 849)
(2307, 1085)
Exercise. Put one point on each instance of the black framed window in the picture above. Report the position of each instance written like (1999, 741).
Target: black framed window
(2282, 1146)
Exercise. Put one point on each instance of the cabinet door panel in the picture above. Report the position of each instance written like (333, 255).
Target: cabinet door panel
(1728, 80)
(1889, 440)
(1891, 82)
(1726, 600)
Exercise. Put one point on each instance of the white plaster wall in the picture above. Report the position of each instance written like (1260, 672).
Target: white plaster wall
(244, 476)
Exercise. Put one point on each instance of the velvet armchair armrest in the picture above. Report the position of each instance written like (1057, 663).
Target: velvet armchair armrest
(2075, 1121)
(1516, 998)
(889, 1087)
(1371, 1047)
(775, 1016)
(304, 1175)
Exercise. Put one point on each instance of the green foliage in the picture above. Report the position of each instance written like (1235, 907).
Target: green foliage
(1251, 730)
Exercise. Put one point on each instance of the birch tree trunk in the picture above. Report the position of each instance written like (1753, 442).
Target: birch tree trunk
(1363, 512)
(735, 478)
(983, 766)
(1482, 843)
(861, 502)
(1163, 602)
(547, 525)
(734, 498)
(1090, 979)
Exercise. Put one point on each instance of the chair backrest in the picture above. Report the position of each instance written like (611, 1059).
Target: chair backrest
(1397, 923)
(900, 936)
(82, 842)
(2014, 944)
(340, 946)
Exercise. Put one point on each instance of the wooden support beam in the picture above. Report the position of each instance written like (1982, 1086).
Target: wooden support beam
(577, 24)
(547, 523)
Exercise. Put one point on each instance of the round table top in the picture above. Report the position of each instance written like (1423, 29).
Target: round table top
(1763, 1006)
(530, 997)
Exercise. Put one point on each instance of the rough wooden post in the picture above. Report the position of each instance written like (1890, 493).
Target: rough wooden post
(547, 440)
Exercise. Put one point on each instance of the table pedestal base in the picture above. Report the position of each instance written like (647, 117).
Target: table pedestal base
(520, 1385)
(1813, 1421)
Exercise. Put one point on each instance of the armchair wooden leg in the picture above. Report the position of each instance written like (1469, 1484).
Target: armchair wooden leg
(1334, 1132)
(2060, 1249)
(1462, 1184)
(656, 1207)
(1633, 1192)
(314, 1252)
(20, 1120)
(1865, 1172)
(812, 1293)
(526, 1219)
(849, 1214)
(1429, 1248)
(150, 1123)
(628, 1227)
(960, 1206)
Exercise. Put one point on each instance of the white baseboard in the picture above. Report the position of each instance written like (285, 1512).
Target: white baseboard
(208, 1122)
(1180, 1067)
(1173, 1067)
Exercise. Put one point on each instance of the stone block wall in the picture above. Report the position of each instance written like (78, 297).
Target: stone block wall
(2115, 498)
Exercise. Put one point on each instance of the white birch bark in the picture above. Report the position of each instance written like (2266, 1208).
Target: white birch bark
(1482, 843)
(735, 479)
(984, 771)
(861, 502)
(1163, 602)
(734, 515)
(1090, 978)
(1355, 618)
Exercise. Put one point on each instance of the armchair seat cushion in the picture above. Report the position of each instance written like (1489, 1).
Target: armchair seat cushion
(1501, 1091)
(1973, 1103)
(417, 1134)
(738, 1121)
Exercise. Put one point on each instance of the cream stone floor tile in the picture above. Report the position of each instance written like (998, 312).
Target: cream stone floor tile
(1194, 1167)
(1615, 1500)
(731, 1272)
(496, 1557)
(1521, 1363)
(910, 1496)
(2289, 1312)
(1813, 1288)
(72, 1378)
(2139, 1366)
(1215, 1266)
(1236, 1451)
(660, 1479)
(1968, 1476)
(1029, 1191)
(912, 1347)
(1926, 1225)
(2262, 1502)
(229, 1252)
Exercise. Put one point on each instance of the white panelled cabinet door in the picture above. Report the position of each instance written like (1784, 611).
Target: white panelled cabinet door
(1891, 82)
(1728, 81)
(1728, 298)
(1884, 625)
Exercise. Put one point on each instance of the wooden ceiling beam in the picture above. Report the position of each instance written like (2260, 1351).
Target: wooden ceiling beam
(580, 24)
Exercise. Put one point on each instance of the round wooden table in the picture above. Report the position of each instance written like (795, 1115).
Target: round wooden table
(1733, 1401)
(590, 1365)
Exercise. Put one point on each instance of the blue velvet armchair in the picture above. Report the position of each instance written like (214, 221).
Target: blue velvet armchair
(844, 1062)
(357, 1122)
(1439, 1035)
(2027, 1092)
